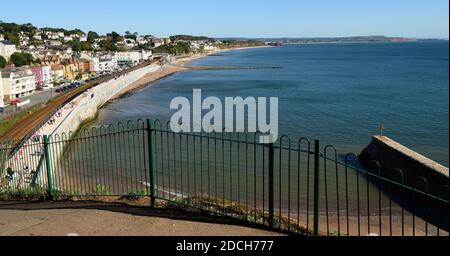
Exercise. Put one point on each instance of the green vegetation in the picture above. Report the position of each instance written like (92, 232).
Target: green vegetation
(108, 45)
(115, 37)
(102, 190)
(134, 195)
(91, 36)
(131, 36)
(21, 59)
(31, 193)
(190, 38)
(80, 46)
(11, 31)
(7, 123)
(179, 48)
(227, 44)
(2, 62)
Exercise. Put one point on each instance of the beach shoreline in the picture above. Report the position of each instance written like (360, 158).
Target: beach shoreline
(172, 68)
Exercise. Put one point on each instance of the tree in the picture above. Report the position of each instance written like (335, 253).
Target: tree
(21, 59)
(86, 46)
(108, 45)
(114, 37)
(2, 62)
(13, 38)
(76, 45)
(91, 36)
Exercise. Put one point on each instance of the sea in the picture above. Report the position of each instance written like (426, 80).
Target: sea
(337, 93)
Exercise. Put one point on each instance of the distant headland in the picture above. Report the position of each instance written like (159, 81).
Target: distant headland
(351, 39)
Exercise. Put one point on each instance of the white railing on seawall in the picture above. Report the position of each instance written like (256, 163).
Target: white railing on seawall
(71, 116)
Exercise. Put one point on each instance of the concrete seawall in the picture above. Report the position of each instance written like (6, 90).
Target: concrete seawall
(68, 119)
(97, 97)
(395, 158)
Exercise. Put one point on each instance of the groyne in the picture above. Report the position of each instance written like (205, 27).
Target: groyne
(402, 164)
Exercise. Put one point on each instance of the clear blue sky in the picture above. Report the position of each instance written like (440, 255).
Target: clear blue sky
(241, 18)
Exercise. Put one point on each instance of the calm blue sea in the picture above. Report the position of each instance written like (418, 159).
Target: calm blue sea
(338, 93)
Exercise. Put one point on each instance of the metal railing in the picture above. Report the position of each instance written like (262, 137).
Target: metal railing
(295, 186)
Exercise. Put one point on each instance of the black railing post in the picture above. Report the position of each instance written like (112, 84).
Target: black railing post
(150, 161)
(316, 186)
(271, 185)
(47, 164)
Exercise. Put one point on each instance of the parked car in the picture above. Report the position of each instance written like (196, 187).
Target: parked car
(47, 86)
(15, 102)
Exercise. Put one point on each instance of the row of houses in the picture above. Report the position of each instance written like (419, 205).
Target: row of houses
(56, 68)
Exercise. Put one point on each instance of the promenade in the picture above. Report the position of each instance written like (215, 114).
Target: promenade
(105, 219)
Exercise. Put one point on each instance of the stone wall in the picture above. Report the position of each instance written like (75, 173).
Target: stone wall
(395, 158)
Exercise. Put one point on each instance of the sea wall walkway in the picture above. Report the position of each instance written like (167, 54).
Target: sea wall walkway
(28, 160)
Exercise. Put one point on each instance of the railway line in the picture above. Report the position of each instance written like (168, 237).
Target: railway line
(18, 131)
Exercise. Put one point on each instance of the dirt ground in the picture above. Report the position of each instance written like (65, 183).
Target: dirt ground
(108, 219)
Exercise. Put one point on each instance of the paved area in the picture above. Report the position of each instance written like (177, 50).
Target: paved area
(104, 219)
(36, 98)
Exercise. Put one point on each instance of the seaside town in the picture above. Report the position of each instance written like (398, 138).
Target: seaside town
(223, 120)
(51, 59)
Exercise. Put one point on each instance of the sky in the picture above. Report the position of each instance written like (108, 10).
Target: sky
(239, 18)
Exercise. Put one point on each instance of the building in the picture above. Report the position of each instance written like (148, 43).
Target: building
(106, 65)
(84, 66)
(2, 101)
(70, 69)
(127, 58)
(68, 38)
(156, 42)
(130, 58)
(17, 83)
(146, 55)
(57, 72)
(47, 74)
(38, 76)
(7, 49)
(51, 58)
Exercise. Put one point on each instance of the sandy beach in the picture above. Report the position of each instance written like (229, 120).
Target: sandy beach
(176, 66)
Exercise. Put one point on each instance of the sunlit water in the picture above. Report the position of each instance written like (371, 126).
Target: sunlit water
(338, 93)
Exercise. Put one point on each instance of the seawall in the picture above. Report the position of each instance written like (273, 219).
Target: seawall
(419, 171)
(96, 97)
(66, 121)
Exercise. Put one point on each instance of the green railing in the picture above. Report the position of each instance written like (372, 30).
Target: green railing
(296, 186)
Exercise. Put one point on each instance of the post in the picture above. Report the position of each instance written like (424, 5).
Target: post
(271, 185)
(316, 186)
(49, 172)
(150, 157)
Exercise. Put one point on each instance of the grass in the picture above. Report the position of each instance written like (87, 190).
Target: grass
(30, 193)
(9, 122)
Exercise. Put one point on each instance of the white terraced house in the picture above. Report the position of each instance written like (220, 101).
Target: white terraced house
(7, 49)
(47, 74)
(2, 102)
(133, 57)
(17, 83)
